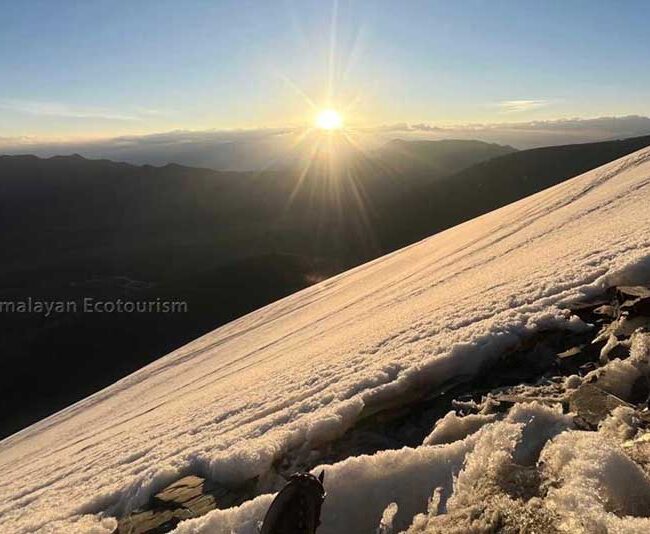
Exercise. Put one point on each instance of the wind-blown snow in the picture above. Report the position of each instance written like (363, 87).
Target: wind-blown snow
(598, 485)
(301, 371)
(452, 427)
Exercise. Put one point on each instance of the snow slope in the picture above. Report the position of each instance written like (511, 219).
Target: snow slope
(304, 369)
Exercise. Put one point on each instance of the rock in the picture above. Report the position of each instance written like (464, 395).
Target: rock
(608, 310)
(152, 521)
(587, 368)
(188, 497)
(191, 493)
(573, 351)
(620, 351)
(590, 305)
(640, 390)
(635, 291)
(592, 404)
(639, 304)
(181, 491)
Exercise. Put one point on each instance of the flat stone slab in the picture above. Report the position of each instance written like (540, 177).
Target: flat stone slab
(190, 496)
(152, 521)
(181, 491)
(593, 404)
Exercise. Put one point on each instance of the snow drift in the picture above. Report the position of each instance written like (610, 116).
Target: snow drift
(300, 372)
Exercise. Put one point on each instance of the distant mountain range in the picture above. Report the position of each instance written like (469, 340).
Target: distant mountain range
(272, 148)
(436, 158)
(493, 183)
(224, 242)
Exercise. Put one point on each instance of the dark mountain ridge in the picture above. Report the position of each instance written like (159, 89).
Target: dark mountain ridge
(225, 243)
(444, 157)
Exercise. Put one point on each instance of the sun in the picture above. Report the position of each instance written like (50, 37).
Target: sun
(329, 119)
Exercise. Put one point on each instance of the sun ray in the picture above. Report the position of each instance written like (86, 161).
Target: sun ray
(304, 170)
(332, 51)
(290, 83)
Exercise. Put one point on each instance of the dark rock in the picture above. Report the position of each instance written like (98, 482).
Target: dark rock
(639, 303)
(639, 307)
(587, 368)
(619, 351)
(590, 305)
(592, 404)
(640, 390)
(581, 424)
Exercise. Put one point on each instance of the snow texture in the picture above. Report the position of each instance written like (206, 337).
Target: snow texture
(452, 427)
(386, 524)
(301, 371)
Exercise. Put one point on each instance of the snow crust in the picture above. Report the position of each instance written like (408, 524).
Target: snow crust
(598, 485)
(593, 486)
(301, 371)
(453, 427)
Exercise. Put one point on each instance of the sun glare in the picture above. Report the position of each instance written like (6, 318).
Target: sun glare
(329, 119)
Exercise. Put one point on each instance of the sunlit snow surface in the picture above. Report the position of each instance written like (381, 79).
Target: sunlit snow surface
(304, 368)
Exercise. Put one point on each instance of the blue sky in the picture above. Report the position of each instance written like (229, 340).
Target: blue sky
(75, 69)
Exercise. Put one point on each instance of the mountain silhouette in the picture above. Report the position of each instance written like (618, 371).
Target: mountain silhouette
(225, 243)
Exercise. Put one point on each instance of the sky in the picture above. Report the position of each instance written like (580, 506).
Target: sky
(92, 69)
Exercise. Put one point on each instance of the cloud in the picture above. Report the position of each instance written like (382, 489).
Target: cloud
(200, 136)
(249, 149)
(240, 150)
(424, 127)
(528, 134)
(629, 124)
(8, 141)
(404, 127)
(57, 109)
(515, 106)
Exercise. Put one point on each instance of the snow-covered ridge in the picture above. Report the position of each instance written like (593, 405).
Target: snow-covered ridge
(301, 371)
